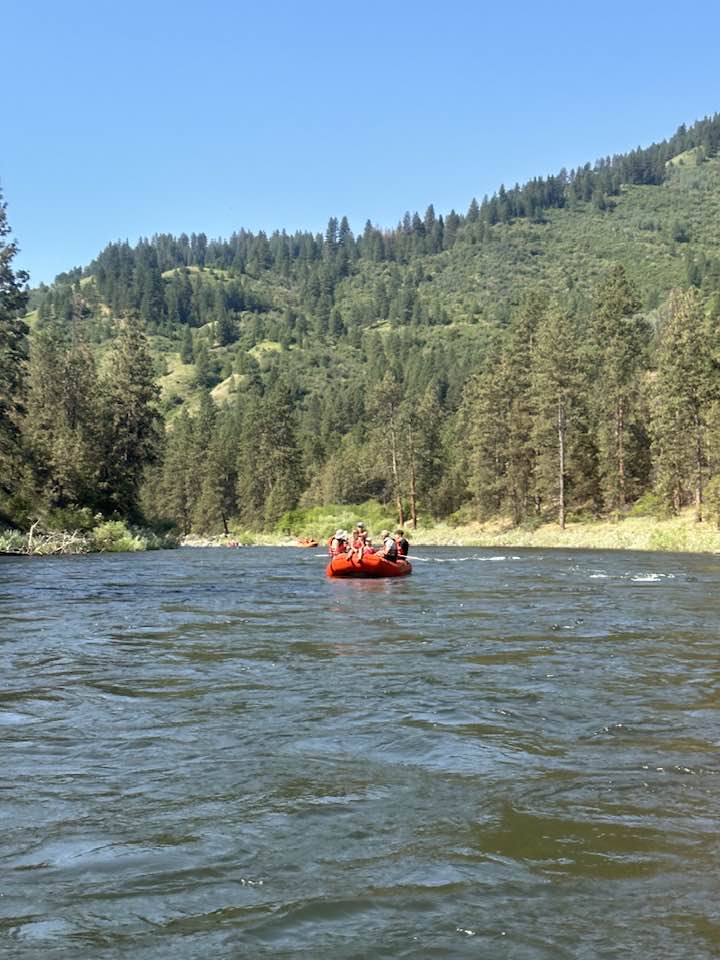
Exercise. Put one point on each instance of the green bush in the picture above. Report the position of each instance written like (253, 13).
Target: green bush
(649, 505)
(12, 541)
(320, 522)
(532, 522)
(712, 500)
(114, 537)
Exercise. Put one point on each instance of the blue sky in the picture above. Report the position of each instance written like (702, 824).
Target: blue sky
(123, 120)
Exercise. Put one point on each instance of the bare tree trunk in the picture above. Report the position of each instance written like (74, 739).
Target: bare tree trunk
(698, 470)
(413, 497)
(561, 464)
(31, 537)
(396, 477)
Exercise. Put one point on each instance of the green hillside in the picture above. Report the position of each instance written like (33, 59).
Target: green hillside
(398, 365)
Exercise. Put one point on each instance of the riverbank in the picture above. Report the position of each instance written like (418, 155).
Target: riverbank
(111, 536)
(679, 534)
(675, 534)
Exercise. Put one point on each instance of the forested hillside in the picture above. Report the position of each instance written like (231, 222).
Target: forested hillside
(552, 350)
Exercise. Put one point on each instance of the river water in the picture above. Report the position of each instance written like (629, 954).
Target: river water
(220, 753)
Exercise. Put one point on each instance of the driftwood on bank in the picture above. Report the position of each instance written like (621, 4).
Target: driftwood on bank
(49, 544)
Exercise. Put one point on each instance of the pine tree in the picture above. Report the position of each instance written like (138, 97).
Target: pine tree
(203, 367)
(61, 425)
(686, 389)
(557, 386)
(421, 449)
(187, 351)
(385, 415)
(217, 501)
(621, 337)
(268, 466)
(484, 416)
(130, 420)
(516, 372)
(177, 486)
(13, 357)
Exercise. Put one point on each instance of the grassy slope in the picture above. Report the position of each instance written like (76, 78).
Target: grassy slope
(475, 282)
(575, 246)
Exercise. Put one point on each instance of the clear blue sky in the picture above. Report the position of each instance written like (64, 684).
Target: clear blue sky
(126, 119)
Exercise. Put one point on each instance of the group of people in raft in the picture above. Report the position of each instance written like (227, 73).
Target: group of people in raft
(357, 544)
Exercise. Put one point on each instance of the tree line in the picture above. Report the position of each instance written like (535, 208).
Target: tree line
(594, 412)
(570, 412)
(347, 378)
(155, 279)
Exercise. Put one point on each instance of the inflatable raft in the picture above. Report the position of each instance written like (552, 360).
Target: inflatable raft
(370, 565)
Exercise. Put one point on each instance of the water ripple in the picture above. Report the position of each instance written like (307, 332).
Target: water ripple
(221, 753)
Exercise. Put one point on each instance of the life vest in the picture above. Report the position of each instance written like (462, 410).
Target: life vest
(337, 547)
(390, 549)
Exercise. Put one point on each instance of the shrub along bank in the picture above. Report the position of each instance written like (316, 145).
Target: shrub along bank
(108, 536)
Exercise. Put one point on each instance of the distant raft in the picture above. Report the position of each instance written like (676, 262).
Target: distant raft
(305, 542)
(369, 565)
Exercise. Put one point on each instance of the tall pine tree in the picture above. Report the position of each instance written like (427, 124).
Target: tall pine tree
(621, 337)
(13, 357)
(686, 389)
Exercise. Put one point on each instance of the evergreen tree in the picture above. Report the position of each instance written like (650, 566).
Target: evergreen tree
(61, 425)
(485, 432)
(204, 376)
(557, 388)
(517, 374)
(187, 350)
(686, 388)
(385, 414)
(422, 449)
(177, 485)
(268, 466)
(13, 357)
(130, 419)
(621, 338)
(217, 501)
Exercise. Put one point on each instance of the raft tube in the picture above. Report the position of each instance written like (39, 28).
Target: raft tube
(371, 565)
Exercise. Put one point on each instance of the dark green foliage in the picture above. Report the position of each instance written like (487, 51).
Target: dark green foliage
(685, 394)
(187, 350)
(129, 420)
(621, 340)
(422, 366)
(558, 384)
(269, 469)
(13, 356)
(63, 436)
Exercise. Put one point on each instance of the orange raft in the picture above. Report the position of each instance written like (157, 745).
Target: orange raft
(369, 565)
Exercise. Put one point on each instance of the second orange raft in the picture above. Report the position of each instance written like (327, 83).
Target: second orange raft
(369, 565)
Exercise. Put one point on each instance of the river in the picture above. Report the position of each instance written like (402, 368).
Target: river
(220, 753)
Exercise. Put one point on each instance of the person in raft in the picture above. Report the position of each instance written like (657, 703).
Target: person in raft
(338, 545)
(390, 547)
(361, 543)
(402, 543)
